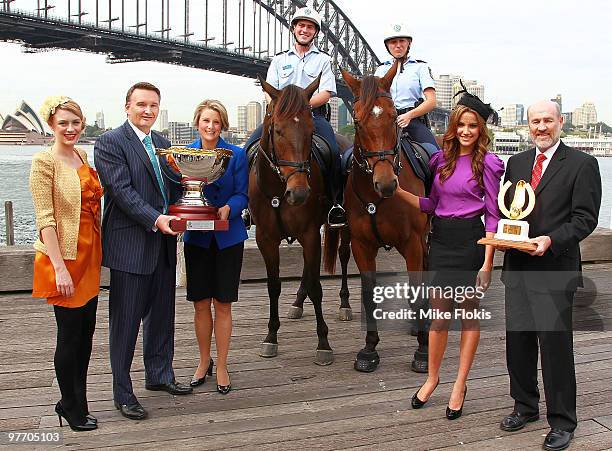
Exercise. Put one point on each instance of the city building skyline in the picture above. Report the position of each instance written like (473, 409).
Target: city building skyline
(512, 115)
(584, 115)
(444, 89)
(100, 120)
(163, 120)
(253, 115)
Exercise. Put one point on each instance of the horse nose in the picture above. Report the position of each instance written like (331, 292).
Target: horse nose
(297, 196)
(386, 189)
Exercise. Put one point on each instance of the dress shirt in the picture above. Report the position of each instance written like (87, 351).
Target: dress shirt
(460, 196)
(408, 85)
(289, 68)
(548, 153)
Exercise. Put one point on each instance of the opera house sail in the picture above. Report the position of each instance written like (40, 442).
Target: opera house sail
(23, 126)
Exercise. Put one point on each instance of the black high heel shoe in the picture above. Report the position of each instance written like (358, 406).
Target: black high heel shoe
(452, 414)
(195, 382)
(416, 403)
(224, 389)
(88, 426)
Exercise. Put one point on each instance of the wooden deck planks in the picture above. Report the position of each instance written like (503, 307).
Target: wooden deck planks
(288, 402)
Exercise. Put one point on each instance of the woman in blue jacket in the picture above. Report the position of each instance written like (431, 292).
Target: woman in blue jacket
(213, 260)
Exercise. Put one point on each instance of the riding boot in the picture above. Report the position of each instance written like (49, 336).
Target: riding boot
(336, 217)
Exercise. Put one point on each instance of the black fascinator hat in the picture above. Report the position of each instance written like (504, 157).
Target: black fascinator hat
(471, 101)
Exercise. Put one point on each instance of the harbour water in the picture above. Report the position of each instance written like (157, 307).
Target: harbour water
(15, 164)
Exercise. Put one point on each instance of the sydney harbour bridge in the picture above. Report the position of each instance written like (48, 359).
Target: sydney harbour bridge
(237, 37)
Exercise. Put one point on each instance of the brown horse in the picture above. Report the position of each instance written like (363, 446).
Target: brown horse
(287, 199)
(376, 217)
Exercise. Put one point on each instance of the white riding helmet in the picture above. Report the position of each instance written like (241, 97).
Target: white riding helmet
(307, 13)
(397, 30)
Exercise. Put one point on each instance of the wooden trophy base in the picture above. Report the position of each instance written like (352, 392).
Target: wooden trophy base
(520, 245)
(197, 218)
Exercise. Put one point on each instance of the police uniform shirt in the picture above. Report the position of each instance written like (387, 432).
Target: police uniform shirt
(408, 86)
(288, 68)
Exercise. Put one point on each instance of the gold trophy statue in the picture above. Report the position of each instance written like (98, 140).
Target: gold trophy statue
(198, 168)
(513, 232)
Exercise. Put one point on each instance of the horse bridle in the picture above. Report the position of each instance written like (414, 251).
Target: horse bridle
(372, 207)
(276, 164)
(382, 154)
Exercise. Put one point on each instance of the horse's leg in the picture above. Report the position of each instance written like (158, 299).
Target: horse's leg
(345, 312)
(269, 251)
(297, 308)
(413, 253)
(311, 245)
(365, 256)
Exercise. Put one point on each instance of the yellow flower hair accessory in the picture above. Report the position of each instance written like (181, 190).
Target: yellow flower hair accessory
(50, 105)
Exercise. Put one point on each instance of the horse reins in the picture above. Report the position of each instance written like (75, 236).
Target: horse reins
(372, 207)
(275, 164)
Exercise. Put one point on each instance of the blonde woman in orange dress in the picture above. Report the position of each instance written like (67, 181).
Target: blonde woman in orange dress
(66, 194)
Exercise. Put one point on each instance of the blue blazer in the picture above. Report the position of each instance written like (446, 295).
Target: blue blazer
(132, 201)
(231, 189)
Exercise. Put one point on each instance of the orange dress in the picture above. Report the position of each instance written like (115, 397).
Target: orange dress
(85, 270)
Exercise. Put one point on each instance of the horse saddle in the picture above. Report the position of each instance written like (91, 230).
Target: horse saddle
(418, 155)
(321, 152)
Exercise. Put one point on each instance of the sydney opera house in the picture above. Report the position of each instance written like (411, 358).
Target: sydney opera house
(23, 126)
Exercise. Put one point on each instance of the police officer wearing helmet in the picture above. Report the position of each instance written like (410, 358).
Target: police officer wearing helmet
(412, 83)
(300, 66)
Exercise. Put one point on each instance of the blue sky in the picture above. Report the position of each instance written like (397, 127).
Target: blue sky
(520, 50)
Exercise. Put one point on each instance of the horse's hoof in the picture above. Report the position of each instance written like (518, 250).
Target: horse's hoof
(345, 314)
(295, 312)
(269, 350)
(366, 362)
(419, 366)
(324, 357)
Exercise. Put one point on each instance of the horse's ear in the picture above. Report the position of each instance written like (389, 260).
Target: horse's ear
(353, 83)
(386, 81)
(268, 88)
(312, 87)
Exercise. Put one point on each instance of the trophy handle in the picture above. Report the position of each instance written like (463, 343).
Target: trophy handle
(530, 202)
(169, 175)
(502, 197)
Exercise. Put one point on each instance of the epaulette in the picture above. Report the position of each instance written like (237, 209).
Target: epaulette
(281, 52)
(386, 63)
(421, 61)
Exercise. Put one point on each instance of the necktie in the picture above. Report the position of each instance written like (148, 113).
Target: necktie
(536, 174)
(154, 161)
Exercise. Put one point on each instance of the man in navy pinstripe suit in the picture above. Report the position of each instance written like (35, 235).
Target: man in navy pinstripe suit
(139, 247)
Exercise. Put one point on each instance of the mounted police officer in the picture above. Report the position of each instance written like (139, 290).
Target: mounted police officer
(413, 88)
(299, 66)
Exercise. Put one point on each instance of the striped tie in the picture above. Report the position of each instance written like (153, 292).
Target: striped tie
(155, 162)
(536, 174)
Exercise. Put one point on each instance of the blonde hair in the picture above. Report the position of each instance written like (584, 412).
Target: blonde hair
(73, 108)
(211, 104)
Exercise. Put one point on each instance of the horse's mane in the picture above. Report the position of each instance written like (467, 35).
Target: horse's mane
(367, 95)
(290, 103)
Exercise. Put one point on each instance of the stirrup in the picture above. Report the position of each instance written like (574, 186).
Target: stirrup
(336, 218)
(247, 219)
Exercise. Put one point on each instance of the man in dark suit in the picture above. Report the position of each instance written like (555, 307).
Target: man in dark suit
(139, 247)
(540, 285)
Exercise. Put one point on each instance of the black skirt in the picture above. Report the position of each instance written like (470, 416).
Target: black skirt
(213, 272)
(454, 255)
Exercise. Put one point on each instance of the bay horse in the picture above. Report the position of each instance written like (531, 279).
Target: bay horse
(287, 199)
(376, 217)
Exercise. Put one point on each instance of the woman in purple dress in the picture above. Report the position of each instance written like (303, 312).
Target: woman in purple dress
(466, 185)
